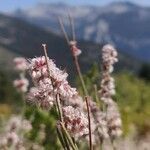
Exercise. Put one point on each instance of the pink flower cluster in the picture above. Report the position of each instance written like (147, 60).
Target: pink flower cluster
(75, 121)
(22, 83)
(114, 121)
(20, 64)
(49, 81)
(75, 51)
(109, 57)
(13, 138)
(98, 123)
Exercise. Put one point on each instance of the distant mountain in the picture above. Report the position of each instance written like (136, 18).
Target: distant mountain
(123, 23)
(18, 37)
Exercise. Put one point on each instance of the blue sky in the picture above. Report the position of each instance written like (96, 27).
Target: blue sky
(8, 5)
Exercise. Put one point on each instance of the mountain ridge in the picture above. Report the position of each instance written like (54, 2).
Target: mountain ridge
(124, 24)
(22, 38)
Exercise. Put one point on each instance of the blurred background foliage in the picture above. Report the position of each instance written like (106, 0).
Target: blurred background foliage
(132, 96)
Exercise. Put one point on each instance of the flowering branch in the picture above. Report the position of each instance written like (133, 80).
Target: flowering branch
(109, 57)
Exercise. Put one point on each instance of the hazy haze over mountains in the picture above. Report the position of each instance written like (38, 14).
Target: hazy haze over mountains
(124, 24)
(23, 38)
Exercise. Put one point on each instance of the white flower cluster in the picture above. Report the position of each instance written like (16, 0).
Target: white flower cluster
(48, 83)
(109, 57)
(21, 65)
(75, 51)
(75, 121)
(15, 130)
(114, 121)
(21, 85)
(98, 123)
(42, 94)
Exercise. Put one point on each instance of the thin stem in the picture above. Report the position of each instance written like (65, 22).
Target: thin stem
(74, 146)
(63, 30)
(113, 144)
(59, 107)
(74, 57)
(66, 142)
(101, 144)
(96, 94)
(80, 75)
(24, 104)
(22, 76)
(72, 26)
(46, 58)
(89, 121)
(63, 139)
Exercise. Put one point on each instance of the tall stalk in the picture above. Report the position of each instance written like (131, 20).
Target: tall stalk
(63, 135)
(76, 62)
(89, 121)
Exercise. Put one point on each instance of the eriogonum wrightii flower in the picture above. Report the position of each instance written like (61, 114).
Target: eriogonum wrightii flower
(114, 121)
(21, 84)
(13, 136)
(20, 64)
(109, 57)
(75, 101)
(75, 51)
(98, 123)
(48, 83)
(75, 121)
(39, 71)
(42, 95)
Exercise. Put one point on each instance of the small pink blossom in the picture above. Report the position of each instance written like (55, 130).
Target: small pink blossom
(12, 138)
(66, 91)
(48, 83)
(75, 121)
(26, 125)
(41, 96)
(114, 120)
(39, 71)
(21, 84)
(75, 51)
(20, 64)
(75, 101)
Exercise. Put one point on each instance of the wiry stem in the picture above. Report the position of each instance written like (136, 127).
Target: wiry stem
(72, 26)
(62, 138)
(65, 135)
(46, 58)
(89, 121)
(113, 144)
(59, 107)
(22, 75)
(74, 57)
(96, 94)
(74, 146)
(63, 30)
(80, 75)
